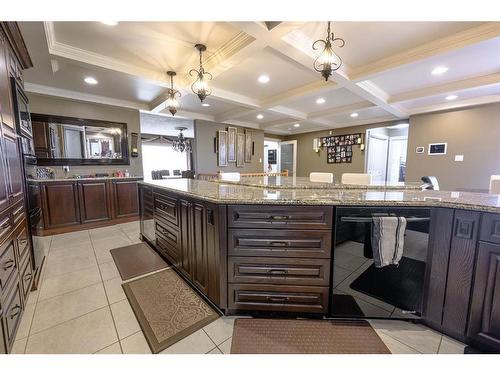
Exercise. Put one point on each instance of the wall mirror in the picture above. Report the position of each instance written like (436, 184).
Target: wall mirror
(75, 141)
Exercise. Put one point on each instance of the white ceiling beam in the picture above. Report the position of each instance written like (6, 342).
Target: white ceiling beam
(75, 95)
(455, 86)
(456, 41)
(189, 115)
(455, 104)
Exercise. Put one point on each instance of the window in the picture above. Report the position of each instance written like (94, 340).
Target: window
(160, 156)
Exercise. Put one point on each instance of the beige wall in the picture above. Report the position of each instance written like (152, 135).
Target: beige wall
(205, 159)
(472, 132)
(309, 161)
(71, 108)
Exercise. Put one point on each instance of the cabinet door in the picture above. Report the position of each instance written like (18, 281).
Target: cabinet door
(41, 139)
(14, 166)
(199, 250)
(6, 106)
(484, 320)
(146, 213)
(94, 201)
(56, 214)
(4, 192)
(185, 229)
(125, 198)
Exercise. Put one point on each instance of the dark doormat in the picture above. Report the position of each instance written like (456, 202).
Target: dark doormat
(136, 260)
(400, 286)
(274, 336)
(346, 306)
(167, 308)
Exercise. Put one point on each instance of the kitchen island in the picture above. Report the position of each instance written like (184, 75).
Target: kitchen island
(302, 250)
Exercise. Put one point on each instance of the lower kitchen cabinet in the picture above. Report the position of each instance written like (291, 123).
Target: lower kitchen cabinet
(125, 198)
(60, 204)
(95, 203)
(146, 213)
(484, 319)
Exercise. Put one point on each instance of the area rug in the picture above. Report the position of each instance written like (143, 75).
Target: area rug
(136, 260)
(276, 336)
(167, 308)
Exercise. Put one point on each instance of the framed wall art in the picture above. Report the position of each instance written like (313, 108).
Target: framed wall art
(248, 145)
(339, 147)
(240, 149)
(222, 148)
(231, 144)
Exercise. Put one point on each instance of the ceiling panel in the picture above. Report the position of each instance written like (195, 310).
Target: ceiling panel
(336, 97)
(150, 45)
(190, 102)
(284, 75)
(461, 95)
(363, 115)
(475, 60)
(268, 117)
(366, 42)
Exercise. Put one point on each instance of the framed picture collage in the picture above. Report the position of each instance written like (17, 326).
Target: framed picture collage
(339, 147)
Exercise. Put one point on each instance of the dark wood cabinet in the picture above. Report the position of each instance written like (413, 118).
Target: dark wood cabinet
(60, 204)
(4, 192)
(125, 198)
(14, 167)
(6, 106)
(146, 212)
(484, 320)
(41, 139)
(94, 201)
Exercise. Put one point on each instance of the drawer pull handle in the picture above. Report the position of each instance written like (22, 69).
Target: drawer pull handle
(15, 311)
(278, 299)
(279, 243)
(279, 217)
(168, 234)
(277, 271)
(8, 264)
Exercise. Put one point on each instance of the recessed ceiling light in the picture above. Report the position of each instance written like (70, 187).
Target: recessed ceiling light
(263, 78)
(289, 128)
(320, 100)
(110, 23)
(439, 70)
(91, 80)
(205, 105)
(296, 125)
(451, 97)
(260, 117)
(355, 114)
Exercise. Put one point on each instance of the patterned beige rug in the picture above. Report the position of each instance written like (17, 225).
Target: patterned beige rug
(286, 336)
(167, 308)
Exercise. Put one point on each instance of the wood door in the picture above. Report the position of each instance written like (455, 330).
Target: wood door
(199, 250)
(460, 273)
(484, 320)
(125, 198)
(186, 240)
(14, 167)
(6, 107)
(56, 214)
(95, 202)
(4, 192)
(41, 139)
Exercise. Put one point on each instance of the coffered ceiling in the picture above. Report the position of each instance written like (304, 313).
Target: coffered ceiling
(387, 71)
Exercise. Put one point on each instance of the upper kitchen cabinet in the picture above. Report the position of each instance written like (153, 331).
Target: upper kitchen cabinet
(6, 106)
(14, 167)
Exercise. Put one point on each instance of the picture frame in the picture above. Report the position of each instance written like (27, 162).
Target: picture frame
(231, 144)
(437, 148)
(248, 145)
(240, 150)
(222, 148)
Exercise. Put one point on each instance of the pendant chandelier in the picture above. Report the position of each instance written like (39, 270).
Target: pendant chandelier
(173, 96)
(200, 86)
(328, 61)
(181, 144)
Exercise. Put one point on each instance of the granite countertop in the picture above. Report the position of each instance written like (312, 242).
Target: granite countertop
(304, 183)
(219, 192)
(83, 179)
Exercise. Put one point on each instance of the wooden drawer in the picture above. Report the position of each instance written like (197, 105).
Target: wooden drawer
(22, 240)
(166, 208)
(12, 309)
(281, 298)
(168, 240)
(279, 243)
(267, 270)
(18, 213)
(8, 264)
(26, 277)
(490, 228)
(5, 226)
(290, 217)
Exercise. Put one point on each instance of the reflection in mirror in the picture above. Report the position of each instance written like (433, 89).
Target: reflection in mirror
(60, 140)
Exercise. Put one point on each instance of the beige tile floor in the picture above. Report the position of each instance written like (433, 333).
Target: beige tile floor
(81, 308)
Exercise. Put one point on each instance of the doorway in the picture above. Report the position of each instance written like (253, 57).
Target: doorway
(288, 157)
(280, 156)
(386, 153)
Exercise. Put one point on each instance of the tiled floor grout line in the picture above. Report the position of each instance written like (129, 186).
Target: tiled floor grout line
(218, 346)
(203, 329)
(73, 290)
(439, 346)
(404, 343)
(107, 299)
